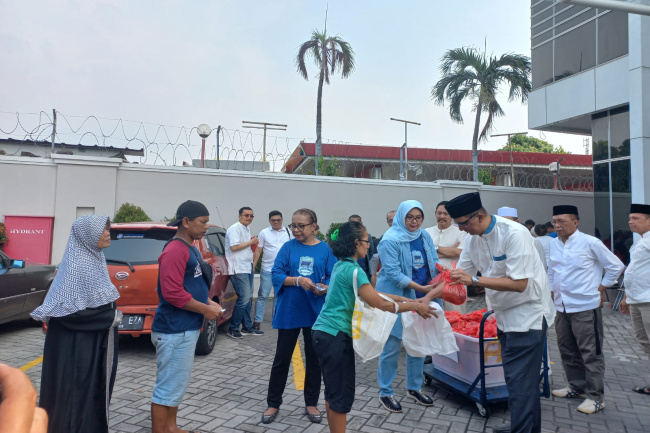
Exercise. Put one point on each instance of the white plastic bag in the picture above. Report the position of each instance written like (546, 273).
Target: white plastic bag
(370, 326)
(433, 336)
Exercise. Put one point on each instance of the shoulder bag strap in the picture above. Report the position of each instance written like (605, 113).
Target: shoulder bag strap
(288, 234)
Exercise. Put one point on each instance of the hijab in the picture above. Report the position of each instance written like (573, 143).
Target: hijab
(82, 279)
(398, 231)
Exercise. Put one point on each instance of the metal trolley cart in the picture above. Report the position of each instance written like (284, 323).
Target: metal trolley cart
(482, 382)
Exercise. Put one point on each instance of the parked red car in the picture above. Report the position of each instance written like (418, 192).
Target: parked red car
(132, 260)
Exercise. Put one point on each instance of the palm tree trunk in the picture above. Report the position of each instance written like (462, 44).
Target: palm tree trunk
(477, 124)
(319, 101)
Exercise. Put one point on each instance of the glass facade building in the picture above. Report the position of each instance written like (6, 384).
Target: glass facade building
(567, 40)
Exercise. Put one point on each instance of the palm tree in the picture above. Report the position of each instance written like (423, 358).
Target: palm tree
(330, 54)
(468, 74)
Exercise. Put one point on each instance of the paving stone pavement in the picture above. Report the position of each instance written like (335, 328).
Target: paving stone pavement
(227, 392)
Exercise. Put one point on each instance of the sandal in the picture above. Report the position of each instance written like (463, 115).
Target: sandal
(642, 390)
(314, 418)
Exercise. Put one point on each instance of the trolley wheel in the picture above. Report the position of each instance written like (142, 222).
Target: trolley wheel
(484, 411)
(427, 381)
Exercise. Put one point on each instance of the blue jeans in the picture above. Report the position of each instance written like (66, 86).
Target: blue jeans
(174, 359)
(266, 285)
(241, 315)
(388, 368)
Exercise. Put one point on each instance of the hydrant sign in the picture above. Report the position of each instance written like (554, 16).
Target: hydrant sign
(30, 238)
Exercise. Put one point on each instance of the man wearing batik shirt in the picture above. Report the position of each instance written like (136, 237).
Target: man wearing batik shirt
(448, 240)
(517, 288)
(575, 272)
(637, 282)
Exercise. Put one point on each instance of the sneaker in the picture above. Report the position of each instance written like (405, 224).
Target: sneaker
(591, 406)
(234, 333)
(420, 398)
(567, 392)
(251, 331)
(391, 404)
(256, 326)
(501, 428)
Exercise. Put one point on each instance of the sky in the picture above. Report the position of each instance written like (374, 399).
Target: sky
(180, 64)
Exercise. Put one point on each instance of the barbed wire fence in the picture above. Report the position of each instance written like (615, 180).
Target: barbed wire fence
(236, 148)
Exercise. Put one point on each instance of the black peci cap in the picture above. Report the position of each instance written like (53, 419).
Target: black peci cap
(189, 209)
(565, 209)
(464, 204)
(640, 208)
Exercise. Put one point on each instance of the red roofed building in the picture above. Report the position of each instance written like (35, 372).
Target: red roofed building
(531, 170)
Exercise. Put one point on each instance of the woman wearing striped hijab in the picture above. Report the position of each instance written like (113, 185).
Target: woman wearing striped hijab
(80, 354)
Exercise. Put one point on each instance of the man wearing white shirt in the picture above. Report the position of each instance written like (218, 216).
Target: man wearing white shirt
(271, 240)
(575, 272)
(239, 255)
(448, 240)
(637, 281)
(517, 288)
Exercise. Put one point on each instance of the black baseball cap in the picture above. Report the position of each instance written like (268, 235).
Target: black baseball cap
(189, 209)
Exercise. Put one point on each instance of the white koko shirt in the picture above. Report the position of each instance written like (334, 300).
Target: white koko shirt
(272, 240)
(506, 250)
(239, 262)
(637, 274)
(447, 238)
(575, 270)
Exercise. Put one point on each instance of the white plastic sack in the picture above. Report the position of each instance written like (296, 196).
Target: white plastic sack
(370, 326)
(433, 336)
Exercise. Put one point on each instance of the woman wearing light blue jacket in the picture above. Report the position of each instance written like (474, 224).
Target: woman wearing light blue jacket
(408, 259)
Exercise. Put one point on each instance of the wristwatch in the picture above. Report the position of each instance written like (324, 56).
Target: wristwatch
(475, 279)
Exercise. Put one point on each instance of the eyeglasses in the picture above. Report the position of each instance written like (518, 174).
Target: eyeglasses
(464, 223)
(416, 218)
(248, 215)
(364, 240)
(276, 220)
(300, 227)
(561, 222)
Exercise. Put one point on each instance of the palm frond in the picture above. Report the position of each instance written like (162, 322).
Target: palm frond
(494, 110)
(309, 48)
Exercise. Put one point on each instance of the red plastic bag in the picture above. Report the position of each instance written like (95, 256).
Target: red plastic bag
(469, 324)
(453, 293)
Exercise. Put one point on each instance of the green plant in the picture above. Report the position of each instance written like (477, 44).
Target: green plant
(333, 227)
(486, 177)
(524, 143)
(328, 168)
(330, 54)
(3, 235)
(258, 265)
(130, 213)
(468, 74)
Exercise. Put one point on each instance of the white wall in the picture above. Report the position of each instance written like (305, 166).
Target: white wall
(56, 187)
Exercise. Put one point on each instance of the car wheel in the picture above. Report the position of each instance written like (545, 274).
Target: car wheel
(208, 338)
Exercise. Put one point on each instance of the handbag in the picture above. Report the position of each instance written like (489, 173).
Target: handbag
(371, 327)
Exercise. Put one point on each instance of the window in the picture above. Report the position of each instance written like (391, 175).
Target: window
(216, 242)
(138, 247)
(599, 136)
(542, 65)
(575, 51)
(575, 38)
(619, 124)
(612, 36)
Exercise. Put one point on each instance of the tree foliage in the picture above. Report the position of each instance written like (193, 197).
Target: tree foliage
(468, 74)
(130, 213)
(525, 143)
(331, 54)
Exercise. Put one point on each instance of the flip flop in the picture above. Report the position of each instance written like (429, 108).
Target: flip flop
(642, 390)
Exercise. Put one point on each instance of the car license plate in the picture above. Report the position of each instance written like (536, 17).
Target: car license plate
(132, 322)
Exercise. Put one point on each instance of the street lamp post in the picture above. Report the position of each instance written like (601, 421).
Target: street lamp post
(404, 173)
(204, 132)
(265, 126)
(512, 167)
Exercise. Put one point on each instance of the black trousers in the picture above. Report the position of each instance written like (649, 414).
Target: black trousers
(521, 353)
(287, 339)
